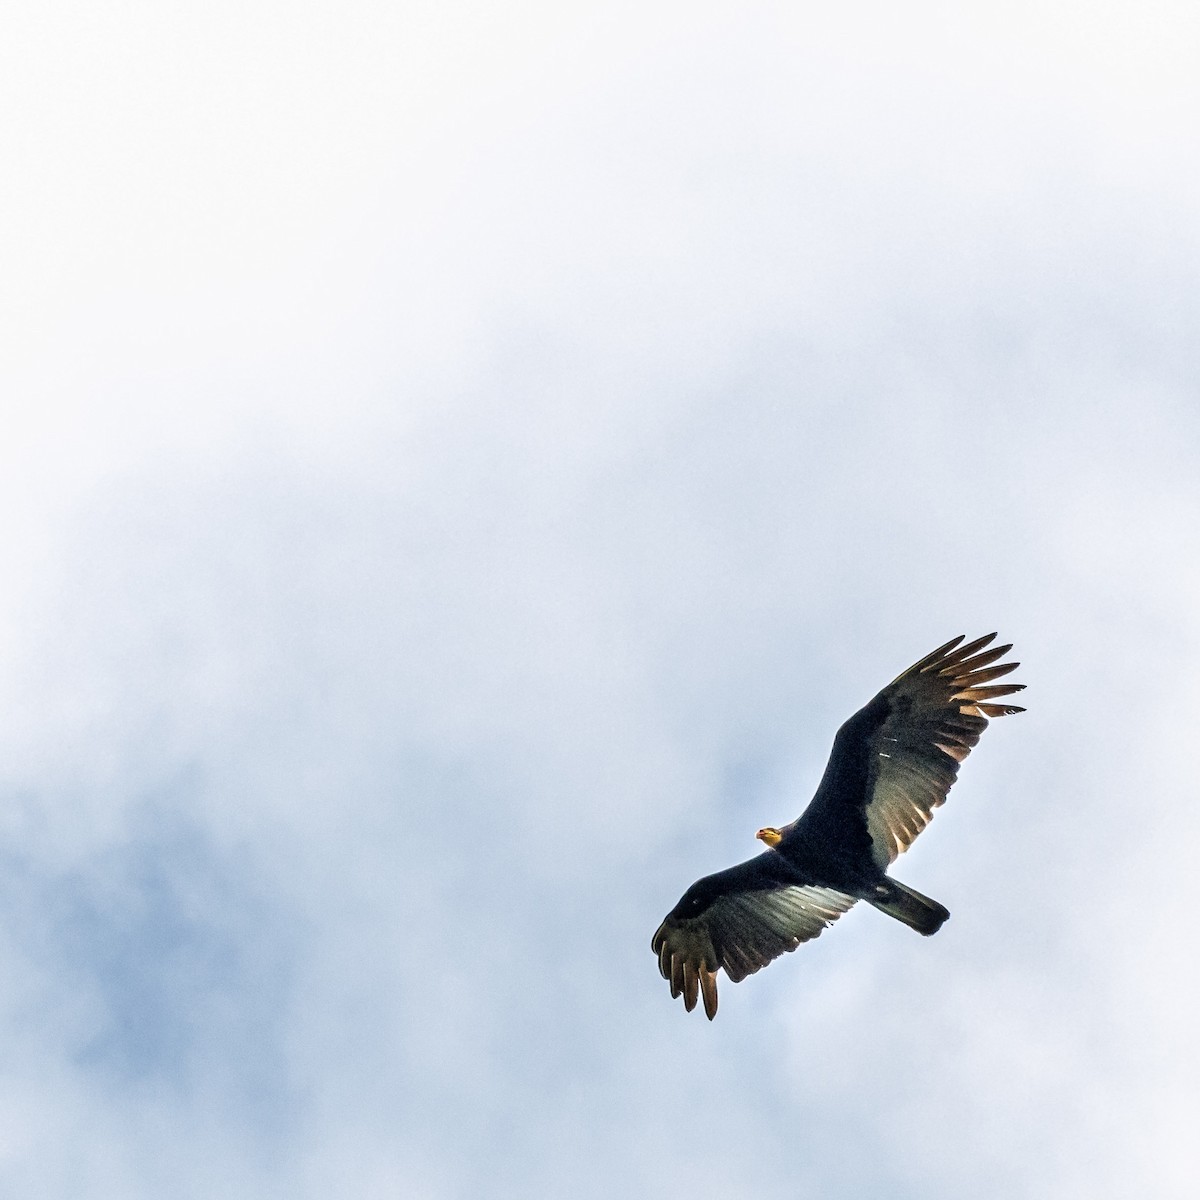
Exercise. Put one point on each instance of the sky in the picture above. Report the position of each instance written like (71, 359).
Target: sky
(460, 465)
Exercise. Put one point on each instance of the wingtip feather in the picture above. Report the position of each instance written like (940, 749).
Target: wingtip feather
(708, 986)
(934, 655)
(964, 652)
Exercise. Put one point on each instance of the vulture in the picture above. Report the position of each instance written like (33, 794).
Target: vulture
(892, 764)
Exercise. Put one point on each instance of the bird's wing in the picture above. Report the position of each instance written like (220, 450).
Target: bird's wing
(935, 713)
(739, 919)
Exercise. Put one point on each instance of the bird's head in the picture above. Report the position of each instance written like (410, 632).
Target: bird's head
(770, 835)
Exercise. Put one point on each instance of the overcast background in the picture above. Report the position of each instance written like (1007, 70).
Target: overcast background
(460, 464)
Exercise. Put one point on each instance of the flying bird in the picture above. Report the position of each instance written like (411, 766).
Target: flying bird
(892, 764)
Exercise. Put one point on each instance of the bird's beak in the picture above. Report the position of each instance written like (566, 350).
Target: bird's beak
(772, 837)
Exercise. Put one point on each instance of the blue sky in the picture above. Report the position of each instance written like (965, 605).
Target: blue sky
(460, 466)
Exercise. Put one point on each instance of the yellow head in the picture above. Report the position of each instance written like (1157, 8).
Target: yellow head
(770, 835)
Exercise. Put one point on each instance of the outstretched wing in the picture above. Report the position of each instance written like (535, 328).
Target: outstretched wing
(894, 761)
(739, 919)
(936, 712)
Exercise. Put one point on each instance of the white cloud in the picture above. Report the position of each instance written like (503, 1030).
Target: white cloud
(462, 468)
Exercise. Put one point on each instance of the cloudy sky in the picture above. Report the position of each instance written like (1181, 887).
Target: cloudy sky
(460, 463)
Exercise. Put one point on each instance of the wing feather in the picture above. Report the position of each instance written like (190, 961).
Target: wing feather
(937, 710)
(739, 930)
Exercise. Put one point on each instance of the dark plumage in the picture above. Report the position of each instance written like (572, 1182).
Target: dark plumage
(892, 764)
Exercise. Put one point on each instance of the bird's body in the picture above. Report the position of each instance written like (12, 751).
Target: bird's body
(892, 763)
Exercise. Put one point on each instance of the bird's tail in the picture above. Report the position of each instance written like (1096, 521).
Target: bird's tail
(916, 911)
